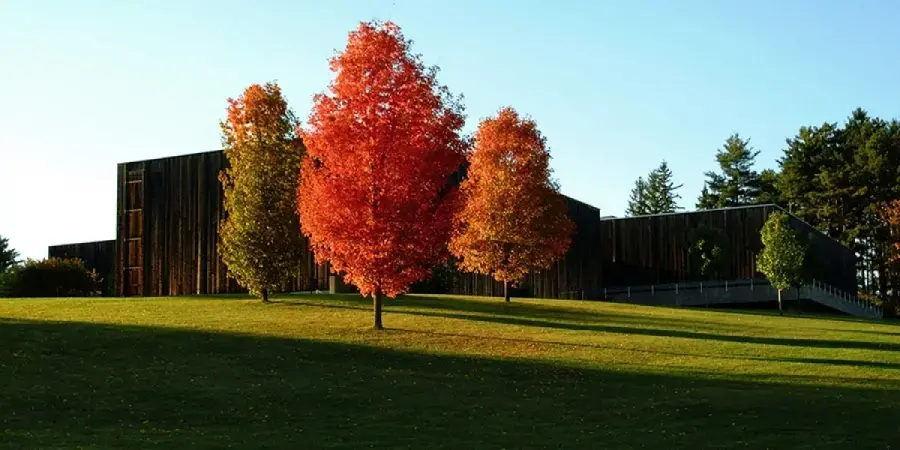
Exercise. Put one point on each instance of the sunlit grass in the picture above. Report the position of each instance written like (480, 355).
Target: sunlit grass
(448, 372)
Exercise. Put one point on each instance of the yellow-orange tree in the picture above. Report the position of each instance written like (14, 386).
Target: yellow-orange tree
(260, 240)
(514, 219)
(374, 194)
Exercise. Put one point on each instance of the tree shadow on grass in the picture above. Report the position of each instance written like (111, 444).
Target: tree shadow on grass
(105, 386)
(609, 328)
(823, 361)
(836, 316)
(408, 303)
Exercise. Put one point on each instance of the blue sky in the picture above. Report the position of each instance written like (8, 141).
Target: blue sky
(615, 86)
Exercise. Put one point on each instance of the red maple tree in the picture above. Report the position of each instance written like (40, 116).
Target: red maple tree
(375, 196)
(514, 219)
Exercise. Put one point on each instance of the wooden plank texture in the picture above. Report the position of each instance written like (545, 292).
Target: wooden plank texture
(170, 209)
(180, 202)
(98, 255)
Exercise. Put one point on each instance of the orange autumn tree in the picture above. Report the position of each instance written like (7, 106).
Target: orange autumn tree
(375, 197)
(514, 219)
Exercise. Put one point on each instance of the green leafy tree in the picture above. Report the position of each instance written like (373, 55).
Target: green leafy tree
(637, 203)
(708, 251)
(8, 255)
(260, 238)
(781, 259)
(736, 183)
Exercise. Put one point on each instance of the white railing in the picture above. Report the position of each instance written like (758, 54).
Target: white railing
(842, 301)
(738, 291)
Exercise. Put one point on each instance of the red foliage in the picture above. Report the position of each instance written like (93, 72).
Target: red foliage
(382, 146)
(514, 219)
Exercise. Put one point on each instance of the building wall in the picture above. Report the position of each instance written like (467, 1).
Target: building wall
(98, 255)
(654, 249)
(169, 212)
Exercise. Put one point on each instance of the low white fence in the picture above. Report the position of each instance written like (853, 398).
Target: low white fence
(732, 292)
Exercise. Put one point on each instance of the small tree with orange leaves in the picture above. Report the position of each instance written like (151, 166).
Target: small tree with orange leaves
(514, 219)
(374, 194)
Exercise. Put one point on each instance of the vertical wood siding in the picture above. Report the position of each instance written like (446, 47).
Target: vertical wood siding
(169, 214)
(98, 256)
(169, 211)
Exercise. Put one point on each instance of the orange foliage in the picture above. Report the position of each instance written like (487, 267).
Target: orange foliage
(891, 214)
(514, 219)
(382, 146)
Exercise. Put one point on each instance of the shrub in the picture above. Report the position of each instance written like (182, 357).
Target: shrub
(51, 277)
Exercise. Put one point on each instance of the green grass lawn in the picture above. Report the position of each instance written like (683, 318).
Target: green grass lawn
(456, 373)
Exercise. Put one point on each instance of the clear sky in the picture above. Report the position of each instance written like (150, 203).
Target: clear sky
(615, 86)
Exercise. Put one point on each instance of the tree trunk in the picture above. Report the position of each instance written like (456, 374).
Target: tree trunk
(780, 308)
(799, 309)
(506, 291)
(265, 295)
(376, 306)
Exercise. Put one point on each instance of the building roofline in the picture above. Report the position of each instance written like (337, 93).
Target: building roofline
(184, 155)
(81, 243)
(731, 208)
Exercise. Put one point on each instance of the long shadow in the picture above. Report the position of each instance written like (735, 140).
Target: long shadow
(836, 316)
(69, 385)
(836, 362)
(798, 342)
(516, 309)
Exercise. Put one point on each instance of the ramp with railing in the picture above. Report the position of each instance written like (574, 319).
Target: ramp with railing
(741, 292)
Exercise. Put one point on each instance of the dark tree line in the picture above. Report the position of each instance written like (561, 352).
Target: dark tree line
(837, 177)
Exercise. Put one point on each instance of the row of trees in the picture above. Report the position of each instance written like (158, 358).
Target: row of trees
(378, 195)
(843, 179)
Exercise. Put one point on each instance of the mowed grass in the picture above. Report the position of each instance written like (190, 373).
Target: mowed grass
(456, 373)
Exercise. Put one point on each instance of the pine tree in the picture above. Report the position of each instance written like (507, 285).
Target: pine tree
(8, 255)
(768, 188)
(661, 191)
(260, 240)
(637, 203)
(736, 184)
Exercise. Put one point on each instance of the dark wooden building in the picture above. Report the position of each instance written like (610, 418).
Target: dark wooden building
(98, 256)
(656, 249)
(169, 211)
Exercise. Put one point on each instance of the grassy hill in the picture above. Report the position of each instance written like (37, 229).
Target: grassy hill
(307, 372)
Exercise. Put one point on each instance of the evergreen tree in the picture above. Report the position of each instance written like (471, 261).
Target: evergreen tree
(654, 195)
(736, 184)
(660, 192)
(8, 255)
(768, 188)
(637, 203)
(838, 178)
